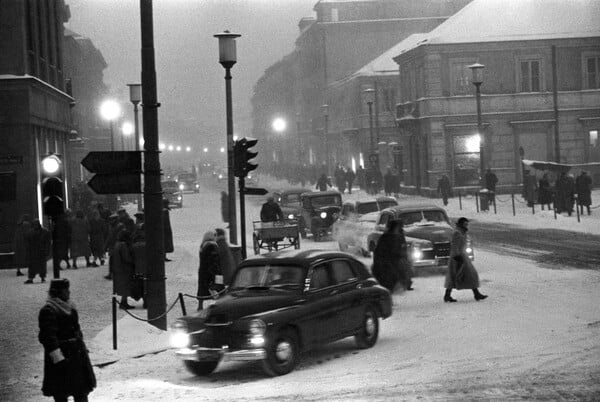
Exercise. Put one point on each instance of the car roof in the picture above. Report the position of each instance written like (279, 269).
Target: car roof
(318, 193)
(414, 207)
(294, 190)
(298, 257)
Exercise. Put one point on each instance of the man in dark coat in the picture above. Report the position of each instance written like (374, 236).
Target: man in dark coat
(323, 182)
(167, 231)
(123, 268)
(209, 268)
(38, 249)
(67, 367)
(583, 187)
(388, 182)
(114, 227)
(360, 177)
(61, 235)
(444, 188)
(271, 211)
(226, 259)
(390, 258)
(224, 206)
(349, 177)
(461, 273)
(544, 192)
(490, 183)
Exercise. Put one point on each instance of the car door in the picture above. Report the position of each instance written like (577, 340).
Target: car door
(348, 297)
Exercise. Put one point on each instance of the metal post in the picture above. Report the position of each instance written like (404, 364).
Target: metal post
(512, 197)
(230, 176)
(494, 201)
(155, 251)
(112, 137)
(577, 208)
(114, 322)
(182, 303)
(555, 101)
(325, 135)
(459, 200)
(481, 134)
(137, 147)
(477, 201)
(371, 126)
(242, 186)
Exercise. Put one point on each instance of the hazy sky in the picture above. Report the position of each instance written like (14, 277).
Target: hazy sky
(191, 85)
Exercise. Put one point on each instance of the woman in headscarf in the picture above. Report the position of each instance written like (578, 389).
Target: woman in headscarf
(209, 269)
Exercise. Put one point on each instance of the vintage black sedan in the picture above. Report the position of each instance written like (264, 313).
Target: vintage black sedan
(281, 304)
(318, 211)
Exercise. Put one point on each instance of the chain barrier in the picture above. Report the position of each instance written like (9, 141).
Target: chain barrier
(522, 202)
(155, 318)
(501, 200)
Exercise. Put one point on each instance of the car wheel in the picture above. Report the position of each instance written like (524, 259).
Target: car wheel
(369, 330)
(282, 353)
(200, 368)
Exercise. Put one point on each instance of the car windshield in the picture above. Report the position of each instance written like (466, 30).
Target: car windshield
(326, 200)
(169, 186)
(366, 207)
(186, 177)
(387, 204)
(269, 276)
(290, 199)
(422, 217)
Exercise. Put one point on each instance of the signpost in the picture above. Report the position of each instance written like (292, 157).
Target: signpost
(116, 172)
(255, 191)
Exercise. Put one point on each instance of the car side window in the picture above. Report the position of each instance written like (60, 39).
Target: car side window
(383, 220)
(320, 278)
(342, 271)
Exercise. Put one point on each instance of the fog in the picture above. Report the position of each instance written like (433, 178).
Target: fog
(191, 86)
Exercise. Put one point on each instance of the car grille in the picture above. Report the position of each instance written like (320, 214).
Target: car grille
(442, 250)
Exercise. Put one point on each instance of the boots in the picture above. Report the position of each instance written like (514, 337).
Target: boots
(448, 298)
(478, 296)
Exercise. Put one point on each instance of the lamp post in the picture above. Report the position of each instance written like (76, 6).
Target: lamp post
(227, 58)
(279, 125)
(110, 110)
(298, 123)
(135, 97)
(325, 109)
(477, 70)
(369, 98)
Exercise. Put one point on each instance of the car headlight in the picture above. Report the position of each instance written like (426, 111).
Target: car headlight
(181, 186)
(257, 329)
(178, 198)
(290, 216)
(220, 176)
(197, 185)
(417, 254)
(323, 215)
(179, 337)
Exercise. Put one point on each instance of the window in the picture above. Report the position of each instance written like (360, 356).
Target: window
(320, 278)
(461, 78)
(466, 159)
(592, 72)
(334, 15)
(530, 79)
(593, 138)
(389, 99)
(342, 271)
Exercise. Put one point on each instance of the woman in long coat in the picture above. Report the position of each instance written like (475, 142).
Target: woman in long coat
(38, 242)
(544, 192)
(67, 367)
(209, 267)
(390, 260)
(98, 233)
(123, 268)
(80, 239)
(461, 273)
(19, 243)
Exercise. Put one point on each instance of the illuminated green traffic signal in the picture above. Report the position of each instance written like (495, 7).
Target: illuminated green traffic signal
(242, 156)
(52, 185)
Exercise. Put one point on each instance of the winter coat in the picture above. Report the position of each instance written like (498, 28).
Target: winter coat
(350, 176)
(444, 187)
(38, 250)
(530, 187)
(490, 181)
(62, 238)
(209, 267)
(271, 212)
(460, 274)
(390, 261)
(565, 193)
(544, 191)
(80, 238)
(226, 260)
(323, 182)
(19, 244)
(59, 329)
(168, 232)
(122, 268)
(138, 252)
(98, 233)
(583, 187)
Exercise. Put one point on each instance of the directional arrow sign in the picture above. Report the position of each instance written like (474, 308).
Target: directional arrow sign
(255, 191)
(127, 183)
(113, 162)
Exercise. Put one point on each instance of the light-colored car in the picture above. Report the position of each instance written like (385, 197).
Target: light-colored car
(428, 233)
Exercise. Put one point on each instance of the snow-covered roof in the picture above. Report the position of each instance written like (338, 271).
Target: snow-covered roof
(518, 20)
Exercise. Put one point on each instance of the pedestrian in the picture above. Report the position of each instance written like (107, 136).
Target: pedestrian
(114, 227)
(271, 211)
(67, 367)
(388, 182)
(61, 240)
(530, 183)
(224, 207)
(123, 268)
(390, 258)
(583, 187)
(19, 245)
(209, 268)
(167, 231)
(227, 262)
(544, 192)
(360, 177)
(38, 250)
(461, 273)
(340, 179)
(98, 233)
(323, 182)
(395, 185)
(138, 253)
(444, 188)
(80, 239)
(490, 183)
(349, 177)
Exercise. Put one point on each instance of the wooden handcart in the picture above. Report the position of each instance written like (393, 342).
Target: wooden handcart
(273, 236)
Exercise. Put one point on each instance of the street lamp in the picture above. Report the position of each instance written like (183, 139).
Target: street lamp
(135, 97)
(325, 109)
(110, 110)
(299, 138)
(369, 98)
(227, 58)
(477, 70)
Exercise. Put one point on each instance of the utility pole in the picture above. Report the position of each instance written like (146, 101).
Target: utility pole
(155, 255)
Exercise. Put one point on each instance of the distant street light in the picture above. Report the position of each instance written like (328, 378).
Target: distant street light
(325, 109)
(188, 149)
(477, 70)
(227, 58)
(205, 150)
(279, 125)
(110, 110)
(222, 150)
(178, 148)
(170, 147)
(162, 146)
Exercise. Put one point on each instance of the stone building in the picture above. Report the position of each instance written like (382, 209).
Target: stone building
(534, 52)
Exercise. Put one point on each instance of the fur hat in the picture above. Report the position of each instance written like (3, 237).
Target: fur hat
(59, 284)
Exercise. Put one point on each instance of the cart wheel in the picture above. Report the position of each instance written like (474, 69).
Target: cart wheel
(256, 246)
(297, 242)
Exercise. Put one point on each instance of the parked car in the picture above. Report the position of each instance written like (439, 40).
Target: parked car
(289, 201)
(428, 233)
(279, 305)
(188, 182)
(172, 193)
(357, 219)
(318, 211)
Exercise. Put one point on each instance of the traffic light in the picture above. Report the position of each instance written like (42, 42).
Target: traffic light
(242, 155)
(52, 185)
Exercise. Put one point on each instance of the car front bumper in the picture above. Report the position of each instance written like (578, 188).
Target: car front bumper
(211, 354)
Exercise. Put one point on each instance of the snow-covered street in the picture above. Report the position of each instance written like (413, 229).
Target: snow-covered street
(537, 336)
